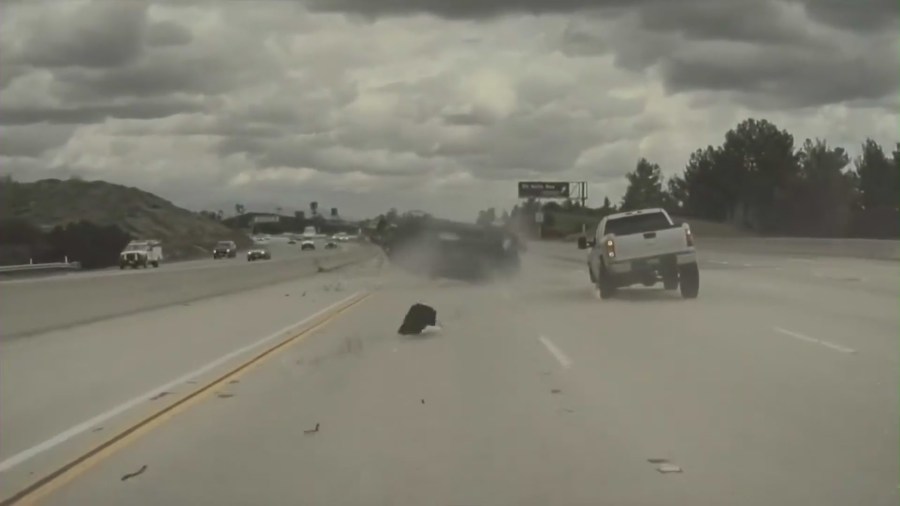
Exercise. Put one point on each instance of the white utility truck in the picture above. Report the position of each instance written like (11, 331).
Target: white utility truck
(141, 254)
(642, 247)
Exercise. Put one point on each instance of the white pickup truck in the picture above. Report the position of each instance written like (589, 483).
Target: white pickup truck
(642, 247)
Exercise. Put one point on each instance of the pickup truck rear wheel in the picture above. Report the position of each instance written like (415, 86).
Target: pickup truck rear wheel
(689, 275)
(605, 284)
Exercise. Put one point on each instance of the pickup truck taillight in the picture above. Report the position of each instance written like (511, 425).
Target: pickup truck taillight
(688, 236)
(610, 248)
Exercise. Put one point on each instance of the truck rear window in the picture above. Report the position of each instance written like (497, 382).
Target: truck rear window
(637, 224)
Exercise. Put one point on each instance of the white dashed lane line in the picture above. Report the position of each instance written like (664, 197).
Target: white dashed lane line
(813, 340)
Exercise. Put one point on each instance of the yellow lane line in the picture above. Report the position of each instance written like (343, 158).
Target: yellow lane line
(42, 488)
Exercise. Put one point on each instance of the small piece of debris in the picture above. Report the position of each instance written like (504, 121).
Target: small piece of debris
(233, 382)
(657, 461)
(160, 395)
(303, 294)
(97, 429)
(224, 396)
(192, 382)
(668, 468)
(287, 295)
(555, 391)
(136, 473)
(423, 401)
(310, 431)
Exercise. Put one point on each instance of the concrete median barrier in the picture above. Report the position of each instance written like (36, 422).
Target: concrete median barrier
(29, 308)
(874, 249)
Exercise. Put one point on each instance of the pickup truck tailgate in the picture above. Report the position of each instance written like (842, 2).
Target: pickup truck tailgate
(650, 244)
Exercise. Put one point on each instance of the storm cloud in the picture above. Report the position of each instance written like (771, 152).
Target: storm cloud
(437, 104)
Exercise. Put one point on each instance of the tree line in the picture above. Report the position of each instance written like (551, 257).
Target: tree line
(93, 246)
(759, 180)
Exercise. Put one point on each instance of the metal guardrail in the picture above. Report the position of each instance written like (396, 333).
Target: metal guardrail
(53, 266)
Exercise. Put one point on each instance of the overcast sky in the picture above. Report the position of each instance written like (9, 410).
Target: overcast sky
(439, 105)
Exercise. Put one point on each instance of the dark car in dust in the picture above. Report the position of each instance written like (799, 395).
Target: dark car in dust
(444, 248)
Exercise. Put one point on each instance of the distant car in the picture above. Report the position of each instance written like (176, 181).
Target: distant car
(225, 249)
(307, 245)
(331, 245)
(259, 253)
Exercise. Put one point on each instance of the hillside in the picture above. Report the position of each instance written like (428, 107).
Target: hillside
(50, 202)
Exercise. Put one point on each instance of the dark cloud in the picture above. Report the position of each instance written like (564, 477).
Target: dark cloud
(783, 77)
(856, 15)
(153, 77)
(144, 109)
(167, 33)
(96, 35)
(33, 140)
(747, 20)
(456, 9)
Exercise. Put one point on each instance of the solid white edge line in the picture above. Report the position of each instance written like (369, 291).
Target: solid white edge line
(67, 434)
(802, 337)
(558, 354)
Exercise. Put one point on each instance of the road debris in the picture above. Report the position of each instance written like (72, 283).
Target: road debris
(312, 431)
(658, 461)
(136, 473)
(417, 318)
(160, 395)
(555, 391)
(224, 396)
(423, 401)
(234, 382)
(97, 429)
(668, 468)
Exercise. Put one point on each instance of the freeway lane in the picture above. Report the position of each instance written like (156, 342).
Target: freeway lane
(57, 380)
(774, 387)
(32, 306)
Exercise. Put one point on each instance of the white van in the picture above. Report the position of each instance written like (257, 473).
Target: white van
(141, 254)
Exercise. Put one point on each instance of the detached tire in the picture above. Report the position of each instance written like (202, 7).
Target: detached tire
(689, 275)
(605, 284)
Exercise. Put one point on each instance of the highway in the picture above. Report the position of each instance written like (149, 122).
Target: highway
(778, 385)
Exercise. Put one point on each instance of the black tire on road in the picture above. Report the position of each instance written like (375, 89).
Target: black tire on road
(605, 284)
(689, 275)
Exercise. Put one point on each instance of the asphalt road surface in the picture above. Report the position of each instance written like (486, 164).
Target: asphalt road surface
(778, 386)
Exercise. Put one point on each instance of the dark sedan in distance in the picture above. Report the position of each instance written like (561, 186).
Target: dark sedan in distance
(225, 249)
(258, 253)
